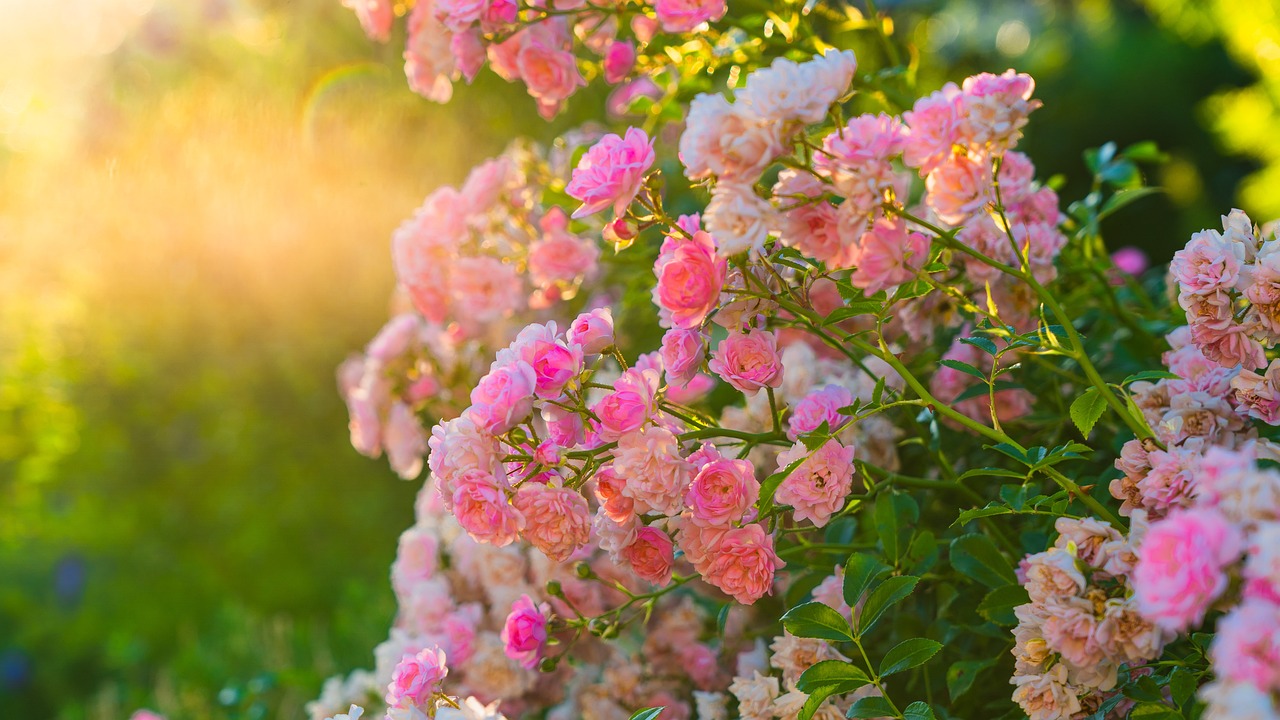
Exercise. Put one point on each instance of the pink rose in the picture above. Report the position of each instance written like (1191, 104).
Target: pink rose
(630, 404)
(375, 17)
(524, 634)
(682, 16)
(404, 440)
(416, 678)
(858, 157)
(592, 331)
(428, 63)
(996, 107)
(504, 397)
(729, 141)
(722, 492)
(744, 563)
(748, 361)
(555, 363)
(417, 558)
(559, 256)
(485, 288)
(1182, 566)
(1208, 263)
(459, 445)
(619, 59)
(482, 510)
(655, 472)
(550, 73)
(1247, 645)
(650, 555)
(564, 427)
(817, 489)
(698, 542)
(959, 187)
(458, 15)
(692, 391)
(819, 406)
(608, 491)
(887, 256)
(682, 353)
(690, 278)
(557, 520)
(611, 173)
(935, 125)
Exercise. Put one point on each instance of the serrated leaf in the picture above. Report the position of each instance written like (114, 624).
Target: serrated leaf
(965, 368)
(984, 344)
(989, 511)
(895, 517)
(1011, 451)
(839, 673)
(998, 604)
(977, 557)
(913, 289)
(771, 483)
(1150, 375)
(872, 706)
(960, 675)
(1182, 686)
(908, 654)
(982, 390)
(1087, 409)
(860, 573)
(647, 713)
(992, 472)
(1154, 711)
(815, 700)
(889, 593)
(918, 711)
(815, 620)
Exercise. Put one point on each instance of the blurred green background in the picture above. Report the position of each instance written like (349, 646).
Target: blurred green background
(195, 202)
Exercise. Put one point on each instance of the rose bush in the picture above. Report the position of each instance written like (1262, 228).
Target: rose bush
(910, 431)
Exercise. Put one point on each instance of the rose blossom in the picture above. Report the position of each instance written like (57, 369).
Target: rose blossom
(729, 141)
(738, 219)
(1051, 574)
(1209, 262)
(650, 555)
(559, 256)
(690, 277)
(934, 123)
(656, 475)
(748, 361)
(485, 288)
(557, 520)
(630, 404)
(958, 188)
(1259, 394)
(611, 173)
(682, 353)
(417, 678)
(1246, 647)
(996, 107)
(483, 511)
(1047, 696)
(375, 17)
(744, 563)
(755, 696)
(555, 363)
(818, 487)
(1182, 566)
(550, 73)
(682, 16)
(619, 59)
(722, 492)
(404, 441)
(592, 331)
(504, 397)
(887, 256)
(525, 631)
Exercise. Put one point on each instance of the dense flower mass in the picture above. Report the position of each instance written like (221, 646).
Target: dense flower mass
(757, 460)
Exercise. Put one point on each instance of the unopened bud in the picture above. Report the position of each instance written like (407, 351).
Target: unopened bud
(548, 664)
(554, 589)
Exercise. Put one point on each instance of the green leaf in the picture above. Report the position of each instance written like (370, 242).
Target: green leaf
(872, 706)
(1145, 151)
(838, 673)
(983, 390)
(1150, 375)
(965, 368)
(913, 289)
(987, 345)
(960, 675)
(977, 557)
(815, 700)
(1182, 685)
(989, 511)
(1011, 451)
(860, 571)
(1154, 711)
(815, 620)
(1123, 198)
(1086, 410)
(771, 483)
(647, 713)
(998, 605)
(918, 711)
(908, 654)
(895, 517)
(992, 472)
(889, 593)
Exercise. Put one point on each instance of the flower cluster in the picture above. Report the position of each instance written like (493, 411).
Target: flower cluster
(547, 46)
(1229, 285)
(1083, 624)
(1222, 552)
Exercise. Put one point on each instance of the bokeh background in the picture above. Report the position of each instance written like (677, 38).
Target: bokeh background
(195, 203)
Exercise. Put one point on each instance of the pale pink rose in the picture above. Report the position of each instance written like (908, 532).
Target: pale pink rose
(1126, 637)
(417, 557)
(1262, 569)
(795, 93)
(817, 407)
(817, 489)
(417, 678)
(1171, 481)
(459, 629)
(503, 398)
(458, 15)
(482, 510)
(1231, 483)
(650, 555)
(375, 17)
(1208, 263)
(697, 542)
(629, 406)
(1182, 566)
(811, 226)
(428, 59)
(726, 140)
(656, 474)
(682, 16)
(1088, 536)
(702, 665)
(934, 125)
(1229, 346)
(608, 491)
(524, 634)
(748, 361)
(1039, 206)
(722, 492)
(1237, 701)
(559, 256)
(1054, 573)
(887, 256)
(611, 173)
(858, 159)
(619, 102)
(738, 219)
(830, 592)
(1017, 177)
(564, 427)
(682, 353)
(692, 391)
(394, 339)
(485, 184)
(592, 331)
(1071, 628)
(996, 108)
(690, 278)
(557, 520)
(756, 694)
(404, 440)
(1246, 648)
(365, 424)
(619, 60)
(485, 288)
(959, 187)
(459, 445)
(743, 563)
(1046, 696)
(1259, 394)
